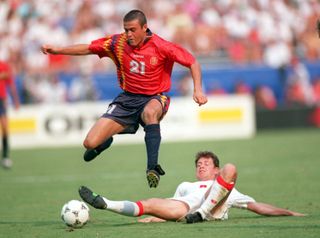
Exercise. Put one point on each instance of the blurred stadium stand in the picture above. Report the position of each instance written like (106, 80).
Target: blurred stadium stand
(226, 76)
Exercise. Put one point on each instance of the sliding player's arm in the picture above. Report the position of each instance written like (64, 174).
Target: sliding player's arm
(270, 210)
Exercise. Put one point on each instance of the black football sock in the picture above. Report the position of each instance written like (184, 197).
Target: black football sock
(105, 145)
(152, 140)
(5, 147)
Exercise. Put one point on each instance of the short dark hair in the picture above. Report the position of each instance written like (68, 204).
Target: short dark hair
(136, 15)
(208, 154)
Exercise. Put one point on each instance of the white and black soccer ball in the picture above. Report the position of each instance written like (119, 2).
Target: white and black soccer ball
(75, 214)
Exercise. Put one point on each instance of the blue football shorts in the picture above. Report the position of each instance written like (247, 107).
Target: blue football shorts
(127, 107)
(3, 110)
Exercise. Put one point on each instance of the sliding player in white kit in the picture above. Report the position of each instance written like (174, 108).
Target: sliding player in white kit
(210, 198)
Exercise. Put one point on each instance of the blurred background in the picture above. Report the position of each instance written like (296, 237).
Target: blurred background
(267, 49)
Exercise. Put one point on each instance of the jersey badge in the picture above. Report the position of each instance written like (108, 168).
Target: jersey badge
(153, 60)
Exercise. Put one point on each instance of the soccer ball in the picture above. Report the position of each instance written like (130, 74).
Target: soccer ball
(75, 213)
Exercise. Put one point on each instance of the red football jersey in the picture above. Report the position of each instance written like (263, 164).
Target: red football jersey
(144, 70)
(5, 80)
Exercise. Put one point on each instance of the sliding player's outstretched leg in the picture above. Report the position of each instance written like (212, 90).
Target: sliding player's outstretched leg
(92, 198)
(91, 154)
(126, 208)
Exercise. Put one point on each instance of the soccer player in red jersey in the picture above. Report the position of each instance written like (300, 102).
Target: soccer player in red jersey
(6, 81)
(144, 64)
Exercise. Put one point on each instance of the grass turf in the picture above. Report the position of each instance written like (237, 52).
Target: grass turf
(277, 167)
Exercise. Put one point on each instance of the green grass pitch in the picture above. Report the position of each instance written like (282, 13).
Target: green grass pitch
(277, 167)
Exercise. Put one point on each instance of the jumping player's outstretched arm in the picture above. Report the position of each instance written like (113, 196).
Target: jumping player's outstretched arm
(270, 210)
(176, 53)
(198, 94)
(79, 49)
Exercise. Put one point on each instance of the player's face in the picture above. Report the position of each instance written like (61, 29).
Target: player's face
(205, 169)
(135, 32)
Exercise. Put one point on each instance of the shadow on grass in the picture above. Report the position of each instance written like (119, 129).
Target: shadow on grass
(238, 222)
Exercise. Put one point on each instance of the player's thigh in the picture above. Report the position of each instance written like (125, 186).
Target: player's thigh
(4, 124)
(167, 209)
(152, 112)
(101, 130)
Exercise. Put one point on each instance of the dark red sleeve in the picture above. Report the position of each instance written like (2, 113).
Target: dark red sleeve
(101, 47)
(178, 54)
(4, 67)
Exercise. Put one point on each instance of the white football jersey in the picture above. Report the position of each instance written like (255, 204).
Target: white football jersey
(193, 194)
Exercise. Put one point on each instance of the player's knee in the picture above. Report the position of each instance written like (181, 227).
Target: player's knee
(176, 214)
(229, 172)
(148, 205)
(152, 113)
(89, 144)
(149, 115)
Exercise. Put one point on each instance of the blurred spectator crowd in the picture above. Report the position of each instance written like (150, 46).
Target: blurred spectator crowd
(270, 32)
(298, 91)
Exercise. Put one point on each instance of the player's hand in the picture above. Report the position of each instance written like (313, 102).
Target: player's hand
(49, 49)
(151, 219)
(200, 98)
(298, 214)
